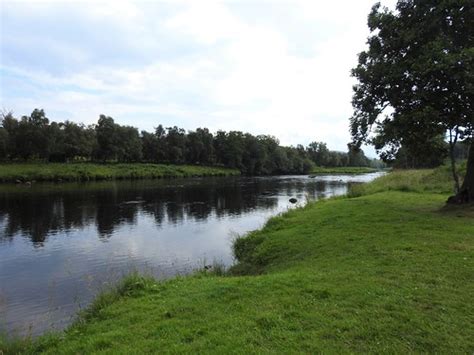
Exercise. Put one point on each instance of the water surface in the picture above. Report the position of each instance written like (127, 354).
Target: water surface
(60, 244)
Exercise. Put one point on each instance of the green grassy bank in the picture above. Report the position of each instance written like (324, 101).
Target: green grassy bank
(389, 270)
(342, 170)
(88, 171)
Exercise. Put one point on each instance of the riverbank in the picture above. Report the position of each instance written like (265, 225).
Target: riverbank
(388, 270)
(349, 170)
(28, 172)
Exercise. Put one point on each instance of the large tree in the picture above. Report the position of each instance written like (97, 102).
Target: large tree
(416, 79)
(107, 138)
(79, 140)
(319, 153)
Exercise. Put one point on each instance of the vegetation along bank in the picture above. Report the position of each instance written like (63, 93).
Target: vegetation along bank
(28, 172)
(350, 170)
(35, 137)
(388, 268)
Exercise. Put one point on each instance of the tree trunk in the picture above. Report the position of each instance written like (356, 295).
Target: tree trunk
(452, 145)
(466, 193)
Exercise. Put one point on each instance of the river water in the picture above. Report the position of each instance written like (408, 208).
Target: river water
(61, 244)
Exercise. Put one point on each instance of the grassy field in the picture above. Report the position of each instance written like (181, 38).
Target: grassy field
(343, 170)
(427, 180)
(389, 270)
(88, 171)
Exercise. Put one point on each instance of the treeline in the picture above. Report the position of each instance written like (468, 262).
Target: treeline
(429, 153)
(34, 137)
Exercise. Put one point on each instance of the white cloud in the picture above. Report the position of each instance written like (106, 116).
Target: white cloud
(207, 65)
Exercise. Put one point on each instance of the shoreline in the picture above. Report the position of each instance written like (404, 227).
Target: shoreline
(344, 170)
(27, 173)
(370, 271)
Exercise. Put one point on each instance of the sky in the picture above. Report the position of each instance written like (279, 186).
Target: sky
(265, 67)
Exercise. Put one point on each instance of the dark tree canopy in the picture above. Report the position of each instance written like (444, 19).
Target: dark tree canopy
(416, 80)
(108, 141)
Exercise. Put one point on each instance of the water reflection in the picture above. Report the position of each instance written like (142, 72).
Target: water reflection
(49, 209)
(59, 243)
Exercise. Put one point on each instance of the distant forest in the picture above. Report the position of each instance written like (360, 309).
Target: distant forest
(34, 137)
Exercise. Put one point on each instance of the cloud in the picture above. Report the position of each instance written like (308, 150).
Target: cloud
(279, 68)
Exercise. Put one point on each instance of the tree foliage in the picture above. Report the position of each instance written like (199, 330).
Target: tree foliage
(416, 79)
(36, 138)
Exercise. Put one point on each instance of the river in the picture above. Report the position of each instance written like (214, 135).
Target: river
(61, 244)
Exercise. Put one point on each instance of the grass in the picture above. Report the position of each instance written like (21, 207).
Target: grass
(428, 180)
(387, 271)
(89, 171)
(343, 170)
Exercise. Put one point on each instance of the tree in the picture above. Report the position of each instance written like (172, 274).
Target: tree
(129, 148)
(229, 148)
(56, 146)
(234, 149)
(414, 153)
(160, 134)
(208, 155)
(175, 145)
(107, 138)
(356, 156)
(461, 150)
(3, 143)
(149, 146)
(338, 159)
(10, 125)
(319, 153)
(30, 136)
(79, 141)
(253, 156)
(275, 159)
(417, 78)
(199, 147)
